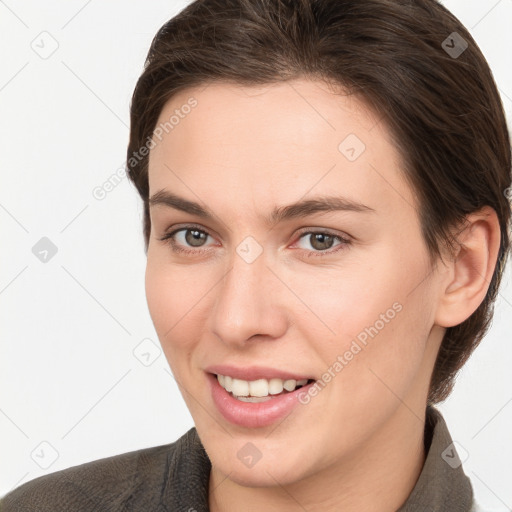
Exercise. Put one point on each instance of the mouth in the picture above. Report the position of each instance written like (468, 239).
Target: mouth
(259, 402)
(259, 390)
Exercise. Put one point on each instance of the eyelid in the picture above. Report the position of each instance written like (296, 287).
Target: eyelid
(181, 227)
(325, 231)
(168, 236)
(344, 239)
(301, 231)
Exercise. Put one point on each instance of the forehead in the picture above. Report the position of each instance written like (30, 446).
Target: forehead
(274, 143)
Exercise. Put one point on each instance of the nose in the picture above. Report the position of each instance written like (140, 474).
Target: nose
(248, 304)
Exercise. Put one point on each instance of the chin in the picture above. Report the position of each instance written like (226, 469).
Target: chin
(271, 465)
(262, 474)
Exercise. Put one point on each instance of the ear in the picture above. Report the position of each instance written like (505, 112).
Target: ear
(469, 272)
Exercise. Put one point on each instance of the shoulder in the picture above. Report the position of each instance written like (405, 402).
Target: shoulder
(108, 484)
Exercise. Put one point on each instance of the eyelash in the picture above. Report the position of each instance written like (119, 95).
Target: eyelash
(168, 238)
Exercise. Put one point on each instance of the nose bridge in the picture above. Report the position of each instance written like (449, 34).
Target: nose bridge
(246, 299)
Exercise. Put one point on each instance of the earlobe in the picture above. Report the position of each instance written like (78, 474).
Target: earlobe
(471, 269)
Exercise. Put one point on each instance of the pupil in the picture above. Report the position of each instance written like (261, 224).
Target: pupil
(323, 239)
(196, 237)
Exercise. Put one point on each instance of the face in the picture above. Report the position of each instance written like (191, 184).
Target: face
(340, 299)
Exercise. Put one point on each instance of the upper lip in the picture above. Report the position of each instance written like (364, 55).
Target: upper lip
(250, 373)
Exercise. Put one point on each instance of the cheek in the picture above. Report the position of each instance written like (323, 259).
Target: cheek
(388, 366)
(160, 296)
(372, 313)
(174, 296)
(336, 304)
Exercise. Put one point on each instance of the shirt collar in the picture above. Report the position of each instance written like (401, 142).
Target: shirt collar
(442, 484)
(441, 487)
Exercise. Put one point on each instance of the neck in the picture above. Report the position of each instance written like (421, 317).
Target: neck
(378, 477)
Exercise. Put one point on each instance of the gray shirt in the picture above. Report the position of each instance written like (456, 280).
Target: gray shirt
(174, 477)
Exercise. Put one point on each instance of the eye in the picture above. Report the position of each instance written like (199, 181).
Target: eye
(189, 236)
(322, 242)
(191, 240)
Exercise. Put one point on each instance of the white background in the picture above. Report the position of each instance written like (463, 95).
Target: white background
(69, 376)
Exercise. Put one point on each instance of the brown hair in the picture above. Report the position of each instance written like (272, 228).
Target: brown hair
(402, 57)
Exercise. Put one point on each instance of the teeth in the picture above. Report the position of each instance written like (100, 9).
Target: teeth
(258, 387)
(253, 399)
(261, 388)
(240, 387)
(275, 386)
(289, 385)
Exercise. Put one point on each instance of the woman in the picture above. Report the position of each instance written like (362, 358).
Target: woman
(326, 226)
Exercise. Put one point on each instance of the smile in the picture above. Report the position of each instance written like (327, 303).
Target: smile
(259, 402)
(258, 390)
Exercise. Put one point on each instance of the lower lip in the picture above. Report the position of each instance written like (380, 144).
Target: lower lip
(253, 415)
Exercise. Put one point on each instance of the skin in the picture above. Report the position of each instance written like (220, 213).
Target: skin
(358, 444)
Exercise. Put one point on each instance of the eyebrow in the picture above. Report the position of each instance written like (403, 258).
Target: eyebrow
(296, 210)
